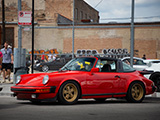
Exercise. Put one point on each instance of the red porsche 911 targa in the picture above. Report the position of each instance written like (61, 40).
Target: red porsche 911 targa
(85, 77)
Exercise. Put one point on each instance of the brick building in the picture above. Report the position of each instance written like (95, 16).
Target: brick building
(59, 13)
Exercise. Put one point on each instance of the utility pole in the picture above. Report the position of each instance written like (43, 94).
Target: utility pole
(73, 30)
(32, 34)
(132, 35)
(3, 23)
(19, 34)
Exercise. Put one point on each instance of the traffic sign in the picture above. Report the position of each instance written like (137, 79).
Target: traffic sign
(24, 18)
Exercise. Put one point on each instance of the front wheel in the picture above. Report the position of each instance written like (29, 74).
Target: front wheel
(136, 92)
(69, 93)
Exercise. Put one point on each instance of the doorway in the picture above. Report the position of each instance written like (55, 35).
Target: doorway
(9, 36)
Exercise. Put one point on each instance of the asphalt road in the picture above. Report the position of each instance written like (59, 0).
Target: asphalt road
(11, 109)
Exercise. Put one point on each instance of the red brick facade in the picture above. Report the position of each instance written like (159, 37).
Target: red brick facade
(147, 39)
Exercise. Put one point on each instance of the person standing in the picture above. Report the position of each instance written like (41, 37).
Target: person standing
(1, 56)
(144, 57)
(50, 57)
(42, 57)
(7, 61)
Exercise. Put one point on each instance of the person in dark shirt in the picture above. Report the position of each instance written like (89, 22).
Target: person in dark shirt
(7, 61)
(144, 57)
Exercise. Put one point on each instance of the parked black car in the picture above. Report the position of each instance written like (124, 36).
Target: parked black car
(56, 64)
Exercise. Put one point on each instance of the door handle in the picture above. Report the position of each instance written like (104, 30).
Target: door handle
(117, 76)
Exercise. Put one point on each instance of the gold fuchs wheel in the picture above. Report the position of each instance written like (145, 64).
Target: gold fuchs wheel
(69, 93)
(136, 92)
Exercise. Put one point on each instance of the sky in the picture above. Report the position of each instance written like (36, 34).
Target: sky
(145, 10)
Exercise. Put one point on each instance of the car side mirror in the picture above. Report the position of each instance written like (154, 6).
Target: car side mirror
(94, 70)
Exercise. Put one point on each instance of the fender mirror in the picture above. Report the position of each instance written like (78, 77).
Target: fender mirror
(94, 70)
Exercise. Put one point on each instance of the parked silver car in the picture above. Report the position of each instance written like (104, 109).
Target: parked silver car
(138, 63)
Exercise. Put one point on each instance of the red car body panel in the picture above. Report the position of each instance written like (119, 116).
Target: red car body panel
(92, 84)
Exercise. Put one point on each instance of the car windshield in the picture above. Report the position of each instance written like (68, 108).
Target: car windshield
(80, 64)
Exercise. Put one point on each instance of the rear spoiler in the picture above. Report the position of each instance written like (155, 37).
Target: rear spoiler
(144, 72)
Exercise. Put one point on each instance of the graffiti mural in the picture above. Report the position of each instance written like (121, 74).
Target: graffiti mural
(39, 53)
(114, 53)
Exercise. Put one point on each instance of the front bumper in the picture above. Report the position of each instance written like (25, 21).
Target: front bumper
(34, 93)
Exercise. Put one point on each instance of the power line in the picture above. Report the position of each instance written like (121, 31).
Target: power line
(98, 3)
(130, 18)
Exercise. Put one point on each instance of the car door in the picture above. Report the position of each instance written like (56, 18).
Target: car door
(103, 82)
(56, 65)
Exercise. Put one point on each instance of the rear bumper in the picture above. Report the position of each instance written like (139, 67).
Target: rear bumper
(151, 90)
(34, 93)
(154, 88)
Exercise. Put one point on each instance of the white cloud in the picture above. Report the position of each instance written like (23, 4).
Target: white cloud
(122, 9)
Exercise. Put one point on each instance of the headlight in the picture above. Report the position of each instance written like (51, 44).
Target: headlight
(45, 79)
(18, 79)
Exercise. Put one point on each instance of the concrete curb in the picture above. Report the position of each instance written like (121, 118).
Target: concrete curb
(6, 89)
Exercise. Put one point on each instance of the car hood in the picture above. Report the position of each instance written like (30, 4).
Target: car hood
(36, 79)
(32, 79)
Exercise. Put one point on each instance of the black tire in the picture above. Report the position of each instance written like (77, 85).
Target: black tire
(69, 93)
(45, 68)
(155, 77)
(136, 92)
(1, 88)
(100, 99)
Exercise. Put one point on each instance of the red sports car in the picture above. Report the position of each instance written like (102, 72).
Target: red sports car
(85, 77)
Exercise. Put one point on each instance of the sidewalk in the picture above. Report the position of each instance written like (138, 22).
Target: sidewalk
(6, 86)
(6, 89)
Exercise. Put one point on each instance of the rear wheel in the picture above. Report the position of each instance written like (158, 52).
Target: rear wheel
(136, 92)
(45, 68)
(69, 93)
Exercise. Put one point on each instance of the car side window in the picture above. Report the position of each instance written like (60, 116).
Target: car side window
(106, 65)
(135, 62)
(127, 68)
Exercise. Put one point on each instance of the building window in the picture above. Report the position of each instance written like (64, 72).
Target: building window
(85, 16)
(81, 15)
(76, 14)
